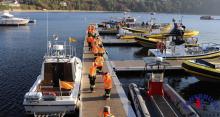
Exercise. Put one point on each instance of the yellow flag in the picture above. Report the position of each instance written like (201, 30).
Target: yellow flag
(72, 40)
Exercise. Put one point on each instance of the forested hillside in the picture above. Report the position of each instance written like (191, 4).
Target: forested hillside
(171, 6)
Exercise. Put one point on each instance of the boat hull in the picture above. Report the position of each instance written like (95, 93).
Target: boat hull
(14, 23)
(146, 42)
(203, 73)
(202, 56)
(31, 109)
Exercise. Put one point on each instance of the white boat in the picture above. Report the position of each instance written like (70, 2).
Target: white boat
(7, 19)
(129, 20)
(184, 51)
(57, 88)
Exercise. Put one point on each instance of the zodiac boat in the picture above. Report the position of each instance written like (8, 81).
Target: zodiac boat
(203, 69)
(56, 90)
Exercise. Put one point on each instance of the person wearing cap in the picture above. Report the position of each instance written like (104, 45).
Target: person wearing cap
(107, 84)
(99, 62)
(107, 112)
(92, 76)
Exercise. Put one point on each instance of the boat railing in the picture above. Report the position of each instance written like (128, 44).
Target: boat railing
(60, 49)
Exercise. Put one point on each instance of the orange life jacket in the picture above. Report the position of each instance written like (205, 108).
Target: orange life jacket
(107, 81)
(95, 49)
(99, 61)
(101, 50)
(92, 71)
(90, 39)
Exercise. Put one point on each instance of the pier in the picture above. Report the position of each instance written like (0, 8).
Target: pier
(92, 104)
(120, 42)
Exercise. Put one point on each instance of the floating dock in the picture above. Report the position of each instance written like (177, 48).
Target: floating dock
(120, 42)
(140, 65)
(108, 31)
(92, 104)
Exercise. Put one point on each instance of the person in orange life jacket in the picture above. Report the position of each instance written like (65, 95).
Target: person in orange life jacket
(92, 76)
(101, 51)
(95, 50)
(107, 84)
(99, 41)
(99, 61)
(90, 40)
(107, 112)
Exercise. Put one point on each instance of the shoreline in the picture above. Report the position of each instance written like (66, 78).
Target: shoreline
(93, 11)
(64, 11)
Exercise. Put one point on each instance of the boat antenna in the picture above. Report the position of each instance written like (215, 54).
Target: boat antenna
(47, 29)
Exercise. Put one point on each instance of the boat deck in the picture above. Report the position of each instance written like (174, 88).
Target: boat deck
(93, 103)
(163, 106)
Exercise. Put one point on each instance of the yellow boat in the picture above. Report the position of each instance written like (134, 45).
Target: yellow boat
(133, 30)
(187, 34)
(152, 42)
(202, 69)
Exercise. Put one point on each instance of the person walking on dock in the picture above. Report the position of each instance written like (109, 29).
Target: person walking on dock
(92, 76)
(107, 84)
(90, 40)
(101, 51)
(99, 61)
(95, 50)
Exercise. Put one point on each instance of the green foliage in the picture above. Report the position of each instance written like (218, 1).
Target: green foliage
(170, 6)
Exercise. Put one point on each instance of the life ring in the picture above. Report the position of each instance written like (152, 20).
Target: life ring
(161, 46)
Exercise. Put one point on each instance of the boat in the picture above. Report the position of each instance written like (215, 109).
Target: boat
(187, 34)
(206, 18)
(56, 90)
(140, 106)
(7, 19)
(182, 52)
(203, 69)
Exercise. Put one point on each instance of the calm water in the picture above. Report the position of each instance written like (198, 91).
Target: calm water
(22, 49)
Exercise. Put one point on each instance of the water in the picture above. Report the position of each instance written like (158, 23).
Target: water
(22, 48)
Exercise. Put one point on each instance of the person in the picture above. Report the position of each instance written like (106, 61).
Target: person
(99, 41)
(107, 112)
(95, 50)
(90, 40)
(99, 61)
(92, 76)
(107, 84)
(143, 24)
(101, 51)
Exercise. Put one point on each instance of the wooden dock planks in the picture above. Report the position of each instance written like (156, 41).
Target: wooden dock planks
(92, 103)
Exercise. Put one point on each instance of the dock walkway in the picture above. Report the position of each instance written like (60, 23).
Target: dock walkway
(92, 104)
